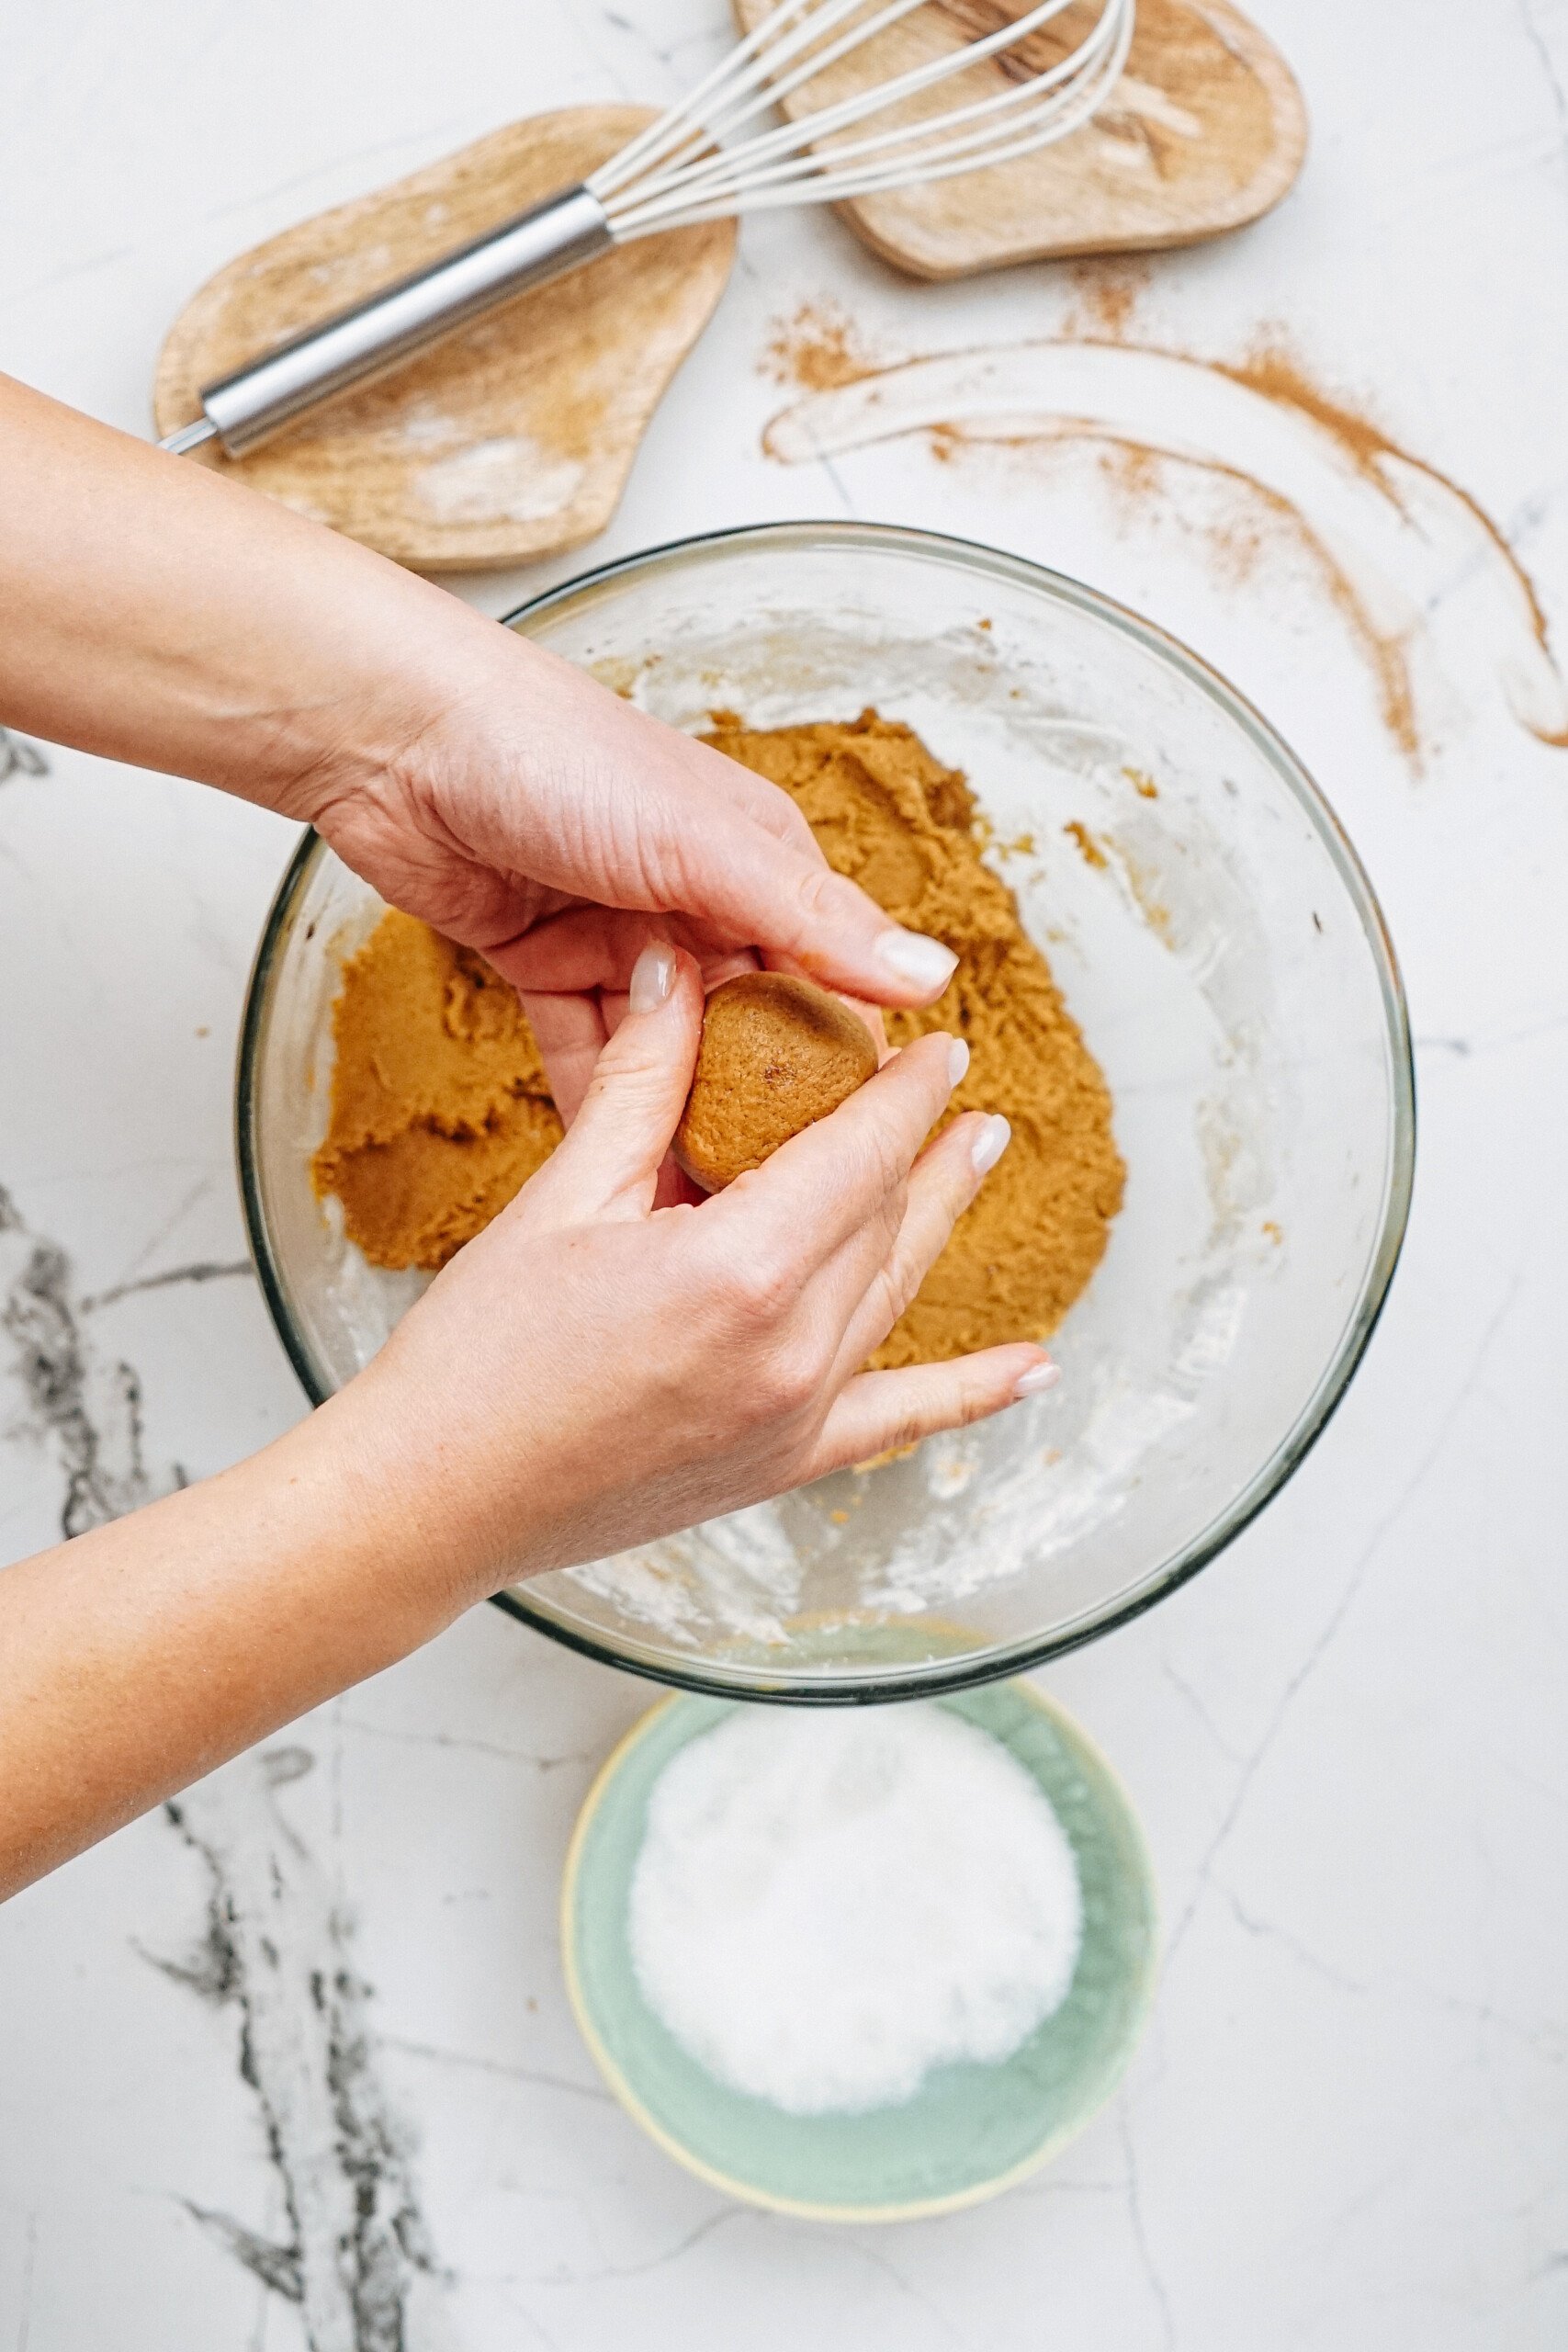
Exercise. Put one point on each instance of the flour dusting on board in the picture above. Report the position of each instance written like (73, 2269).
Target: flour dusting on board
(512, 478)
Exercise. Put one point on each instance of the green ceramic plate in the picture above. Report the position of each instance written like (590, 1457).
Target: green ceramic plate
(970, 2130)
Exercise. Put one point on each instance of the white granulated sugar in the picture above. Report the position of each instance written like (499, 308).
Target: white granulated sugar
(827, 1908)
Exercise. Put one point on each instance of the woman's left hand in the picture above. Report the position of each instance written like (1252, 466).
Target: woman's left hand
(558, 829)
(475, 779)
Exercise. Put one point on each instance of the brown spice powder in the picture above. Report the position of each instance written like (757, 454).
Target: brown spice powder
(1271, 368)
(1107, 290)
(1140, 478)
(440, 1112)
(818, 349)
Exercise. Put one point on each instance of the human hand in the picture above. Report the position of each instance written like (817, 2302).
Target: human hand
(557, 829)
(476, 779)
(591, 1372)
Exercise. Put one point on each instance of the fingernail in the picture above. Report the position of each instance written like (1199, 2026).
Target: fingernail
(1038, 1377)
(957, 1060)
(990, 1143)
(926, 963)
(654, 976)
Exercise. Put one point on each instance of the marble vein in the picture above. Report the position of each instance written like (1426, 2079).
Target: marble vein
(29, 2272)
(1194, 1700)
(882, 2263)
(205, 1269)
(665, 54)
(575, 22)
(1337, 1616)
(359, 2261)
(169, 1223)
(704, 2229)
(1139, 2227)
(415, 142)
(91, 1410)
(276, 2267)
(1544, 2040)
(87, 267)
(1538, 42)
(536, 2077)
(466, 1743)
(18, 757)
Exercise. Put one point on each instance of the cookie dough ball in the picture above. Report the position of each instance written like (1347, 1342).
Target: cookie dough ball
(776, 1053)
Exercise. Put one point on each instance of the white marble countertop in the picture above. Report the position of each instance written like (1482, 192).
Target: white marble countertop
(1345, 1738)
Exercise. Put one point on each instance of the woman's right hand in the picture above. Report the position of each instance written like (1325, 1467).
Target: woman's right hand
(592, 1371)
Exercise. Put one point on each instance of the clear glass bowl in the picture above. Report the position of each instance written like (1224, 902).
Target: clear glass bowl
(1219, 944)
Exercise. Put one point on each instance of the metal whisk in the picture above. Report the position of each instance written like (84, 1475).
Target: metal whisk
(693, 165)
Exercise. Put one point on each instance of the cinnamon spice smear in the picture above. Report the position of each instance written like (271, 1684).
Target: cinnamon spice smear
(1105, 295)
(1274, 371)
(818, 347)
(1383, 529)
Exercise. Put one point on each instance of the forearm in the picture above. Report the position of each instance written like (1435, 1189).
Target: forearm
(146, 1653)
(156, 613)
(589, 1373)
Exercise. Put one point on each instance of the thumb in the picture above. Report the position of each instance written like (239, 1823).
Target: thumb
(610, 1159)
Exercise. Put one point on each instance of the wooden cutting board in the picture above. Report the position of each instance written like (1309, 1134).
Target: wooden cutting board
(1205, 130)
(514, 437)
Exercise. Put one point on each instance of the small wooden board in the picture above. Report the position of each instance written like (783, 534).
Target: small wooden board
(1205, 130)
(514, 437)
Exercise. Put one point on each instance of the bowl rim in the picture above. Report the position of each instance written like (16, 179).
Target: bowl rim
(1061, 2136)
(713, 1677)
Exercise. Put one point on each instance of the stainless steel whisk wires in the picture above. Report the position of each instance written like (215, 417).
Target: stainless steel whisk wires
(670, 176)
(690, 166)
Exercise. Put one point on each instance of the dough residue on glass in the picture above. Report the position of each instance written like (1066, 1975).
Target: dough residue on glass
(441, 1112)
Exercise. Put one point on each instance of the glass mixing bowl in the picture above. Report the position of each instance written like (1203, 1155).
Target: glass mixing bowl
(1218, 943)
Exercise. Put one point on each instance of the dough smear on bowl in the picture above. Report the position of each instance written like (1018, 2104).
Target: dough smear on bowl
(441, 1112)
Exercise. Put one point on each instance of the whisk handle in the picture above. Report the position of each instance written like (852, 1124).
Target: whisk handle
(377, 335)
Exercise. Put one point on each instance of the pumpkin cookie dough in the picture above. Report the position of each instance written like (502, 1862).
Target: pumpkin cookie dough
(777, 1054)
(440, 1110)
(902, 825)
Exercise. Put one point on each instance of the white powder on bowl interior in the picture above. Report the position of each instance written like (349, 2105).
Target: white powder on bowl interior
(827, 1908)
